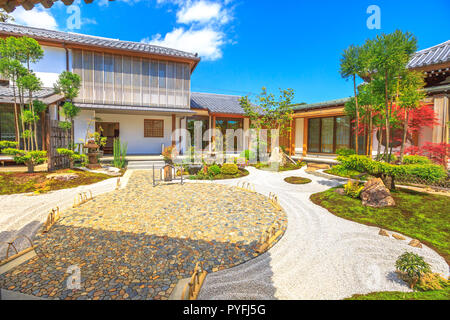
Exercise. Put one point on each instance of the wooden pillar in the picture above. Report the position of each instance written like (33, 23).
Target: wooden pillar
(305, 136)
(213, 138)
(292, 137)
(174, 127)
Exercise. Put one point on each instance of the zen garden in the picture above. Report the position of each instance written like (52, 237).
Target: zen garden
(212, 220)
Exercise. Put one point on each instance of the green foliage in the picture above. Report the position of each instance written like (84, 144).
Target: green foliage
(297, 180)
(431, 281)
(69, 110)
(341, 171)
(421, 216)
(387, 158)
(430, 172)
(399, 295)
(413, 159)
(7, 144)
(345, 152)
(412, 265)
(72, 155)
(30, 158)
(68, 84)
(229, 169)
(270, 112)
(353, 189)
(248, 154)
(29, 82)
(214, 170)
(120, 153)
(66, 125)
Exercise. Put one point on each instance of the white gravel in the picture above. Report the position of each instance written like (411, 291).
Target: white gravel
(321, 256)
(24, 214)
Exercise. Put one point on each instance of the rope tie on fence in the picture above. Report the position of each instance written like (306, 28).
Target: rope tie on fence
(82, 197)
(269, 237)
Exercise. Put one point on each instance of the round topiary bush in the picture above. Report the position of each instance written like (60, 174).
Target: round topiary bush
(214, 170)
(229, 169)
(297, 180)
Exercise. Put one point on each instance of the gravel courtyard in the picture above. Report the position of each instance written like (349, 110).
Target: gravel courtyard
(137, 242)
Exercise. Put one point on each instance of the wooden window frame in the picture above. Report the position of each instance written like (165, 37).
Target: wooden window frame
(149, 132)
(334, 135)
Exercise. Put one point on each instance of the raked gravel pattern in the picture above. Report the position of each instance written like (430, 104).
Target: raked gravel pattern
(24, 214)
(320, 256)
(137, 242)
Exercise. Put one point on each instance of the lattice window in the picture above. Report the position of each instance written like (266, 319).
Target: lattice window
(153, 128)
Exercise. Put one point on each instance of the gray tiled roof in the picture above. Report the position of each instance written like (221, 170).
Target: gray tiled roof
(330, 103)
(107, 107)
(8, 92)
(434, 55)
(216, 103)
(76, 38)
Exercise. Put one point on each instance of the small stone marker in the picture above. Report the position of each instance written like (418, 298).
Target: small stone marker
(398, 237)
(415, 243)
(383, 233)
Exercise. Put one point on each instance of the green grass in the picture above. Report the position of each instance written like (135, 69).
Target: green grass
(422, 216)
(220, 176)
(338, 170)
(289, 166)
(395, 295)
(19, 182)
(297, 180)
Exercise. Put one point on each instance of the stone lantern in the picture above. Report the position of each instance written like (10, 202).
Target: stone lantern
(92, 155)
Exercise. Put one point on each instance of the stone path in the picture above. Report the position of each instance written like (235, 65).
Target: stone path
(136, 243)
(321, 256)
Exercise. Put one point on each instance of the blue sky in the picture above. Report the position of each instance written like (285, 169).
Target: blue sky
(248, 44)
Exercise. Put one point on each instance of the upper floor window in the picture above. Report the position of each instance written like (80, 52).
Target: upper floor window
(126, 80)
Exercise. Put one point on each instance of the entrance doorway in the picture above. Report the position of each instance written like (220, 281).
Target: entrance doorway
(110, 130)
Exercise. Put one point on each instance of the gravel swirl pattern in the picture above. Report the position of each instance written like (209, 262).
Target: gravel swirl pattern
(136, 243)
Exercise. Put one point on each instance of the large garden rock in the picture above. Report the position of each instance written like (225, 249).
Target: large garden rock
(62, 176)
(375, 194)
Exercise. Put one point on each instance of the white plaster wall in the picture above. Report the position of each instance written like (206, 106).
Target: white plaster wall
(299, 125)
(132, 131)
(81, 124)
(51, 65)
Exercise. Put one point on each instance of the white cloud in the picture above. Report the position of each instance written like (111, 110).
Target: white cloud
(200, 11)
(206, 41)
(37, 17)
(205, 31)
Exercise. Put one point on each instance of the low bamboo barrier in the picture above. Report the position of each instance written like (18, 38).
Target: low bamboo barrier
(82, 197)
(192, 288)
(17, 253)
(269, 237)
(52, 218)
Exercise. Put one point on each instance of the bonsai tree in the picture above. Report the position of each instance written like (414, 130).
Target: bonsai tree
(29, 158)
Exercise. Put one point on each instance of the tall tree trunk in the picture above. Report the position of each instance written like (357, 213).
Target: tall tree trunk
(380, 138)
(405, 133)
(16, 118)
(369, 134)
(21, 118)
(357, 114)
(386, 148)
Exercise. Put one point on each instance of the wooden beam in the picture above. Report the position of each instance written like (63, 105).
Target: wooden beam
(174, 127)
(305, 136)
(292, 146)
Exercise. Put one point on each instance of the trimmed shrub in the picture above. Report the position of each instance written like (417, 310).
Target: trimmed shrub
(214, 170)
(430, 172)
(353, 189)
(414, 159)
(7, 144)
(345, 152)
(229, 169)
(412, 266)
(29, 158)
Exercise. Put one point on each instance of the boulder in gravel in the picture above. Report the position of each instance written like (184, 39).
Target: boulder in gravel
(415, 243)
(62, 176)
(383, 233)
(375, 194)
